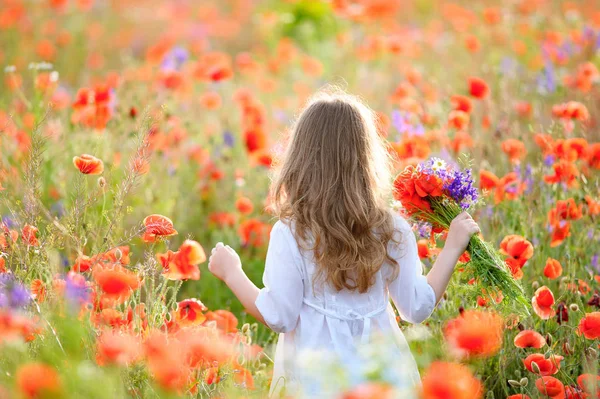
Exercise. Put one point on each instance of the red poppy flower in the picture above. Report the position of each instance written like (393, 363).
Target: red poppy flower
(88, 164)
(593, 206)
(116, 282)
(14, 326)
(458, 120)
(545, 366)
(189, 312)
(29, 235)
(38, 290)
(183, 264)
(36, 380)
(553, 269)
(428, 185)
(589, 383)
(560, 232)
(543, 303)
(478, 88)
(565, 172)
(205, 346)
(224, 319)
(113, 347)
(571, 110)
(529, 339)
(157, 226)
(369, 390)
(518, 396)
(589, 325)
(443, 380)
(475, 333)
(253, 232)
(515, 149)
(461, 103)
(545, 142)
(519, 251)
(594, 156)
(549, 386)
(487, 180)
(166, 361)
(244, 205)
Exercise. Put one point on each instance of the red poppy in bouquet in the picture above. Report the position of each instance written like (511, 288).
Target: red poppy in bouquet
(436, 193)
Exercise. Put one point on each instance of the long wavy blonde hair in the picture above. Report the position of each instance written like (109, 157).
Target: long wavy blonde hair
(334, 182)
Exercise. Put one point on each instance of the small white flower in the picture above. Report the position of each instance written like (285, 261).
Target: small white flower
(10, 68)
(45, 66)
(438, 164)
(54, 76)
(240, 182)
(32, 65)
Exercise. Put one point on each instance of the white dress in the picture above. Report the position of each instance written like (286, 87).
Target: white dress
(338, 322)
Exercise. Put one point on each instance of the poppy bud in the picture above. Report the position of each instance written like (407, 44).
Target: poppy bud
(535, 285)
(118, 254)
(101, 182)
(567, 348)
(574, 307)
(521, 327)
(245, 328)
(591, 352)
(132, 112)
(549, 339)
(524, 381)
(461, 310)
(535, 367)
(515, 383)
(445, 296)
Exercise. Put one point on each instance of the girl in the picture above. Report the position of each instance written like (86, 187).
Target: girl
(338, 252)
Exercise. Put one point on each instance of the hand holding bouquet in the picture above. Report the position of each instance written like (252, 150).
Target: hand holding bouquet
(436, 194)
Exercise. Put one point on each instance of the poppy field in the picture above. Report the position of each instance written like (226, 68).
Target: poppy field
(136, 134)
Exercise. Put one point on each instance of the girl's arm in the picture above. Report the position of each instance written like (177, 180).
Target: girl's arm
(225, 263)
(459, 235)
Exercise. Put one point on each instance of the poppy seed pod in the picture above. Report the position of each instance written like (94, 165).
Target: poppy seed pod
(574, 307)
(101, 182)
(535, 285)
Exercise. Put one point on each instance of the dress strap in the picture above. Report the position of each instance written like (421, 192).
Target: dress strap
(350, 315)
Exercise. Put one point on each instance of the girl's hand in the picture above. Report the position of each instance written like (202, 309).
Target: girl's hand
(461, 230)
(224, 262)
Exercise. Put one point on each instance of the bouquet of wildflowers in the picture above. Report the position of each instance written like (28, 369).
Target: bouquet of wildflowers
(436, 193)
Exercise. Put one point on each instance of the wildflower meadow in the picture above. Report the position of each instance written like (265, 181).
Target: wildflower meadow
(136, 134)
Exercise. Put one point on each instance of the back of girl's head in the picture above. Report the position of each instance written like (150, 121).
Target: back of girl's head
(334, 183)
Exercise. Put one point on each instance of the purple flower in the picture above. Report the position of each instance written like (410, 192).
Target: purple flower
(8, 222)
(228, 139)
(549, 160)
(424, 229)
(401, 121)
(508, 65)
(174, 58)
(76, 293)
(12, 293)
(461, 188)
(458, 184)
